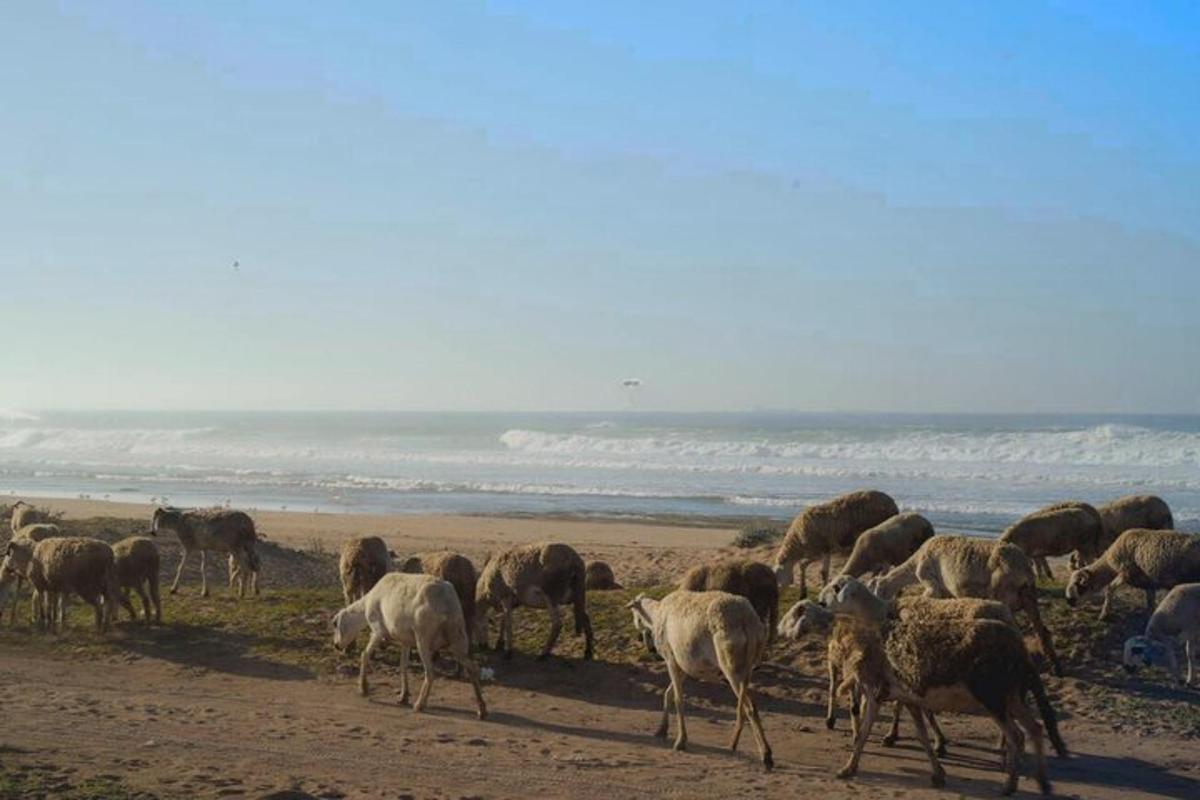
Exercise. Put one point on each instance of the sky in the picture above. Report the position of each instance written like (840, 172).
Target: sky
(517, 205)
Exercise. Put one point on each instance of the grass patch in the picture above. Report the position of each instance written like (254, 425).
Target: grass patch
(45, 781)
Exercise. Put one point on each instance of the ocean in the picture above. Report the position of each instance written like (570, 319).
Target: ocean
(972, 473)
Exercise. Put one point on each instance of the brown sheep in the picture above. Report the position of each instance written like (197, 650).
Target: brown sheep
(16, 562)
(540, 575)
(457, 570)
(364, 560)
(1144, 511)
(74, 565)
(962, 566)
(1066, 528)
(137, 563)
(25, 514)
(887, 544)
(600, 577)
(828, 528)
(1144, 559)
(741, 576)
(221, 530)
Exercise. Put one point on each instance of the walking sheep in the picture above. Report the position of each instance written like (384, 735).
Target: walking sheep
(137, 564)
(1074, 529)
(364, 560)
(741, 576)
(1177, 616)
(25, 514)
(1144, 559)
(16, 563)
(74, 565)
(219, 530)
(708, 635)
(961, 566)
(411, 610)
(541, 575)
(887, 544)
(828, 528)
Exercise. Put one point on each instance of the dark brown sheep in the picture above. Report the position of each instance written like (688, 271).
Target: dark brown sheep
(741, 576)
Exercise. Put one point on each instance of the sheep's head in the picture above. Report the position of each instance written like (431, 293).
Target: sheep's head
(1079, 585)
(784, 574)
(479, 626)
(643, 608)
(345, 628)
(1142, 651)
(17, 555)
(806, 616)
(834, 592)
(165, 518)
(411, 565)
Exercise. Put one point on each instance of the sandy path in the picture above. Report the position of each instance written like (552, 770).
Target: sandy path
(556, 730)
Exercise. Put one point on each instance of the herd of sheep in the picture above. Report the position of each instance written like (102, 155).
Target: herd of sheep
(954, 646)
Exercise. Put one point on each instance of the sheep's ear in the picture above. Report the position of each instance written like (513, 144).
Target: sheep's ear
(392, 554)
(637, 601)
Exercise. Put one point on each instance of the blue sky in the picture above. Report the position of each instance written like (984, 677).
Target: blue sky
(941, 206)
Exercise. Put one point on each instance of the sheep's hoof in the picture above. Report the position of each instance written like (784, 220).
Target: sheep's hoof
(173, 590)
(482, 714)
(403, 699)
(541, 656)
(680, 745)
(417, 709)
(362, 689)
(661, 733)
(846, 772)
(830, 722)
(1044, 786)
(768, 761)
(889, 740)
(587, 655)
(940, 751)
(938, 780)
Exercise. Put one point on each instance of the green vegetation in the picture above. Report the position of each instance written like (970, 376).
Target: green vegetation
(35, 781)
(757, 534)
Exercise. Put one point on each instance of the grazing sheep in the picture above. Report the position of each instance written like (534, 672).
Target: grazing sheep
(887, 544)
(137, 563)
(1177, 615)
(25, 514)
(70, 564)
(858, 664)
(741, 576)
(364, 560)
(457, 570)
(961, 566)
(600, 577)
(1144, 559)
(411, 610)
(220, 530)
(540, 575)
(16, 563)
(708, 635)
(1066, 528)
(828, 528)
(1144, 511)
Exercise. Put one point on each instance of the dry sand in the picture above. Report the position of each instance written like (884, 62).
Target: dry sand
(241, 726)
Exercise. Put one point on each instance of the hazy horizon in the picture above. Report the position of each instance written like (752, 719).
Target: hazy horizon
(516, 206)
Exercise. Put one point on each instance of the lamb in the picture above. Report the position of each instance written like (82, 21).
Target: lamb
(137, 563)
(73, 564)
(1144, 559)
(1177, 615)
(218, 529)
(741, 576)
(540, 575)
(364, 560)
(25, 514)
(708, 635)
(457, 570)
(412, 610)
(830, 527)
(961, 566)
(600, 577)
(1066, 528)
(855, 650)
(887, 544)
(16, 561)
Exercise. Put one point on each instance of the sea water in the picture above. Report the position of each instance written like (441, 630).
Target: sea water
(965, 472)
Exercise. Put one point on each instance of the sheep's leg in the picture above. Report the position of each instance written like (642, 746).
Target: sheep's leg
(507, 622)
(1043, 567)
(1020, 712)
(937, 775)
(1190, 644)
(16, 601)
(831, 709)
(893, 734)
(1029, 603)
(555, 629)
(676, 673)
(1150, 600)
(179, 572)
(405, 654)
(425, 651)
(472, 669)
(939, 737)
(101, 613)
(825, 563)
(1108, 596)
(374, 642)
(661, 733)
(154, 596)
(123, 598)
(802, 568)
(1012, 755)
(860, 740)
(141, 591)
(856, 707)
(764, 749)
(739, 721)
(204, 573)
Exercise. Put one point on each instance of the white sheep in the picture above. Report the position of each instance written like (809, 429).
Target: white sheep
(411, 610)
(708, 635)
(1177, 616)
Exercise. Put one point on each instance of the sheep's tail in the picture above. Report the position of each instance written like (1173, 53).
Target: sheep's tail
(579, 599)
(1049, 718)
